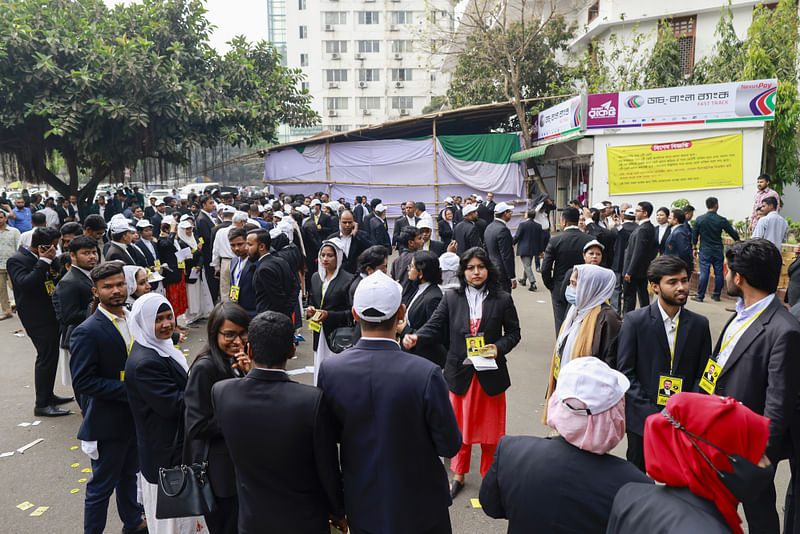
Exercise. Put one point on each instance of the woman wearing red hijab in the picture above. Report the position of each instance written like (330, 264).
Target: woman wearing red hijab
(694, 444)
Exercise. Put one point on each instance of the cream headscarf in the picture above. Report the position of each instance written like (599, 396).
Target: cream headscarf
(143, 328)
(186, 238)
(130, 280)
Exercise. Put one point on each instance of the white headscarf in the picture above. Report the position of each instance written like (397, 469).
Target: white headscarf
(595, 286)
(336, 243)
(186, 238)
(130, 280)
(143, 328)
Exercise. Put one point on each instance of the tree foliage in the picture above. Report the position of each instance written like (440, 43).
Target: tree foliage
(104, 89)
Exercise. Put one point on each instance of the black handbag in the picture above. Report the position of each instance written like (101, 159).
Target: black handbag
(185, 490)
(342, 338)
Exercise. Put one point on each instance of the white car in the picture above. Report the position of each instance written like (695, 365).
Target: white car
(159, 194)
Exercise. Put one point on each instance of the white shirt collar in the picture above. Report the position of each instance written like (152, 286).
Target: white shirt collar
(380, 339)
(642, 221)
(84, 271)
(743, 312)
(665, 316)
(572, 227)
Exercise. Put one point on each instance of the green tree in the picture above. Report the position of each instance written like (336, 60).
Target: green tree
(105, 89)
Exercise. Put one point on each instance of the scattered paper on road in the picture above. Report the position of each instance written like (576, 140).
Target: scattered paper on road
(3, 455)
(540, 301)
(25, 505)
(475, 503)
(24, 448)
(24, 424)
(39, 511)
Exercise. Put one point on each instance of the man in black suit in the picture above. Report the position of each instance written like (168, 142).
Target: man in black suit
(324, 222)
(410, 241)
(147, 246)
(641, 250)
(242, 271)
(118, 247)
(29, 271)
(360, 210)
(679, 240)
(466, 233)
(394, 421)
(490, 204)
(291, 484)
(425, 231)
(406, 219)
(757, 355)
(204, 226)
(563, 252)
(160, 213)
(620, 246)
(378, 227)
(272, 277)
(528, 239)
(99, 348)
(354, 242)
(663, 339)
(150, 210)
(484, 213)
(500, 245)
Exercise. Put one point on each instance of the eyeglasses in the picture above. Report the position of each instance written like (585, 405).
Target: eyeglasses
(230, 336)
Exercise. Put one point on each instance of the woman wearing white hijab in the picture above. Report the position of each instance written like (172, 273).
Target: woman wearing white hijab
(591, 326)
(155, 379)
(197, 292)
(136, 280)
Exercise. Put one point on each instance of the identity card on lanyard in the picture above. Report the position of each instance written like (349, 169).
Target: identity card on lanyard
(668, 383)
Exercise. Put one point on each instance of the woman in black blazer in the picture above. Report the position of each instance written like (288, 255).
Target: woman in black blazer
(223, 357)
(421, 301)
(174, 283)
(329, 293)
(446, 225)
(480, 310)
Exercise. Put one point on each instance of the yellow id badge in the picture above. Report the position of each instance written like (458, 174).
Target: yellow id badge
(122, 376)
(667, 387)
(157, 265)
(710, 374)
(474, 345)
(314, 326)
(557, 366)
(234, 294)
(50, 287)
(181, 265)
(201, 241)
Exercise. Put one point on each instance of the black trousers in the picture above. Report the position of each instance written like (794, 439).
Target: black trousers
(560, 304)
(225, 519)
(637, 286)
(635, 452)
(442, 527)
(762, 514)
(213, 282)
(45, 340)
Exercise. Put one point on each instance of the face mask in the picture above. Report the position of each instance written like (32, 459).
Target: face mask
(571, 295)
(746, 482)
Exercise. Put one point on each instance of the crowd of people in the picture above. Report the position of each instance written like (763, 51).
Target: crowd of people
(410, 360)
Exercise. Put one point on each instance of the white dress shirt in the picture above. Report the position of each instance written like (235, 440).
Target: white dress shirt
(421, 289)
(671, 329)
(745, 317)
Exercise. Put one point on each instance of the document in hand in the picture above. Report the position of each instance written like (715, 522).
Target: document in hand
(183, 254)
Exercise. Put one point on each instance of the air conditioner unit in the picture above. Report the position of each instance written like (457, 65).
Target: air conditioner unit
(394, 28)
(362, 85)
(403, 112)
(399, 85)
(369, 1)
(398, 56)
(333, 85)
(366, 112)
(334, 113)
(329, 27)
(335, 55)
(359, 55)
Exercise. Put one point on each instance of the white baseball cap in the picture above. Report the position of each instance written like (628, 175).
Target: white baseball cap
(380, 208)
(316, 202)
(304, 210)
(630, 212)
(143, 223)
(593, 243)
(477, 198)
(120, 226)
(448, 200)
(278, 215)
(469, 208)
(449, 261)
(228, 210)
(377, 298)
(592, 382)
(425, 223)
(186, 217)
(599, 206)
(502, 207)
(159, 202)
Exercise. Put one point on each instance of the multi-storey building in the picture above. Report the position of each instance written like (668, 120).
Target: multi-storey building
(365, 61)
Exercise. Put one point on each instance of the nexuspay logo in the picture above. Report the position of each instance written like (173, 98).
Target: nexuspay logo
(603, 111)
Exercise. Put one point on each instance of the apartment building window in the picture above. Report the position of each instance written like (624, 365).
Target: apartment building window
(594, 11)
(401, 75)
(401, 17)
(335, 17)
(369, 75)
(369, 17)
(433, 75)
(336, 75)
(337, 102)
(304, 60)
(338, 127)
(684, 30)
(303, 32)
(402, 102)
(400, 46)
(304, 86)
(335, 47)
(369, 102)
(366, 47)
(301, 5)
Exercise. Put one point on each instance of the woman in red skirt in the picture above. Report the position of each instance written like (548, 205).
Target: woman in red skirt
(483, 328)
(174, 280)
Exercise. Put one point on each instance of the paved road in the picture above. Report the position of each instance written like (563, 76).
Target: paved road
(48, 473)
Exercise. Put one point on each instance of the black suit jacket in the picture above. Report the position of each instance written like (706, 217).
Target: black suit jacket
(467, 235)
(291, 484)
(311, 242)
(379, 232)
(72, 301)
(204, 228)
(394, 421)
(534, 483)
(202, 427)
(563, 252)
(28, 276)
(500, 326)
(662, 243)
(621, 245)
(643, 354)
(679, 243)
(500, 247)
(641, 250)
(416, 316)
(438, 247)
(358, 244)
(138, 256)
(485, 214)
(607, 238)
(247, 295)
(528, 238)
(115, 252)
(446, 231)
(272, 284)
(155, 386)
(763, 373)
(358, 213)
(336, 302)
(156, 219)
(97, 363)
(166, 252)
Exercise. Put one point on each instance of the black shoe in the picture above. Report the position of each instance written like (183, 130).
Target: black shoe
(715, 298)
(697, 299)
(141, 529)
(522, 282)
(533, 287)
(50, 411)
(61, 400)
(538, 269)
(455, 488)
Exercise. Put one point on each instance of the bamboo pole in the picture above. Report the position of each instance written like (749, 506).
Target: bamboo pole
(435, 174)
(328, 166)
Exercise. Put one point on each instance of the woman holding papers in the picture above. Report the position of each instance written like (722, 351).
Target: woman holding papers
(174, 281)
(480, 323)
(197, 292)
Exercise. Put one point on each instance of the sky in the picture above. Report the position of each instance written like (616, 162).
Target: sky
(231, 17)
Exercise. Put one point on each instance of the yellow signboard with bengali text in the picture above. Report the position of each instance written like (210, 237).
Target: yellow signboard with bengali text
(707, 163)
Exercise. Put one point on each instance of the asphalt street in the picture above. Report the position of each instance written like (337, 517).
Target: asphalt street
(53, 473)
